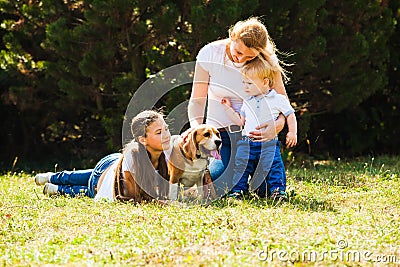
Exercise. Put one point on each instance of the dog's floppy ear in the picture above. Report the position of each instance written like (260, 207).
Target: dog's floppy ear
(190, 145)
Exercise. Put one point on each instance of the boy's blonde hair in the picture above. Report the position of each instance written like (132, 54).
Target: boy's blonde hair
(259, 68)
(254, 34)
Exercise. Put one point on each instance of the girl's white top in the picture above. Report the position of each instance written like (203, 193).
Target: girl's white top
(106, 191)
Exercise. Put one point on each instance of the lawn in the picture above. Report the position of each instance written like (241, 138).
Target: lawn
(339, 213)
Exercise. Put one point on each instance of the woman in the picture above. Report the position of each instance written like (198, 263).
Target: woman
(139, 173)
(217, 75)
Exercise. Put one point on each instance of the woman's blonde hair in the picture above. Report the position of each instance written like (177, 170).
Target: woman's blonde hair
(253, 33)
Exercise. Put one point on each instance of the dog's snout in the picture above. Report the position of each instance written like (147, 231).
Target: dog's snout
(218, 142)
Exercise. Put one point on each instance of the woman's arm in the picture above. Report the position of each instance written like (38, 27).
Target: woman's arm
(267, 131)
(278, 85)
(198, 98)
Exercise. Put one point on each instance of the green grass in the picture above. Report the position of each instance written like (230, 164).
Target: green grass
(333, 203)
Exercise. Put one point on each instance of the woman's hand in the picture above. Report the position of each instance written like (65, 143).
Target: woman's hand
(268, 130)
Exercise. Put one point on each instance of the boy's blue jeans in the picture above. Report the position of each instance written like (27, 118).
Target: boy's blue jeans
(263, 162)
(82, 182)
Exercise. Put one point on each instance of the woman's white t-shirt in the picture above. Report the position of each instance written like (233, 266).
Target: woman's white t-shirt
(225, 81)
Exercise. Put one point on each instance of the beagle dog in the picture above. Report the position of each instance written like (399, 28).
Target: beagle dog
(188, 160)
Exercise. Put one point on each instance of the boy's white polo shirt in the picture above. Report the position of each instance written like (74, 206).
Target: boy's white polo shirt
(260, 109)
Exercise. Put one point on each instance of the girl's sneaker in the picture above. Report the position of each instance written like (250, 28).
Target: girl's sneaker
(50, 189)
(43, 178)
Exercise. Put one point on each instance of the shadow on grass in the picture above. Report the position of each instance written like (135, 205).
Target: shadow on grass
(311, 204)
(304, 203)
(298, 202)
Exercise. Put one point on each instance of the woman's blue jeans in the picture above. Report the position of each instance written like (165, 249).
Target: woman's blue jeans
(221, 171)
(82, 182)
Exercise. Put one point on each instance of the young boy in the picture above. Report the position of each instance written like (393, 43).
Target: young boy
(256, 159)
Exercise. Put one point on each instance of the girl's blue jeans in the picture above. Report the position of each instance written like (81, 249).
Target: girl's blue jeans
(82, 182)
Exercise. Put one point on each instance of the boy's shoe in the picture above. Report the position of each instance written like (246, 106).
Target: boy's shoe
(43, 178)
(50, 189)
(235, 195)
(278, 195)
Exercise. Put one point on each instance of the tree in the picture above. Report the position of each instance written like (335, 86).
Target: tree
(23, 28)
(89, 57)
(69, 68)
(357, 75)
(341, 57)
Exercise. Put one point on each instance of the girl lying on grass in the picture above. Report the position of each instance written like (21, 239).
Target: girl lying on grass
(139, 173)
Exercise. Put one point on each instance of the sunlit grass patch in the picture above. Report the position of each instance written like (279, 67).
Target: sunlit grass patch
(330, 203)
